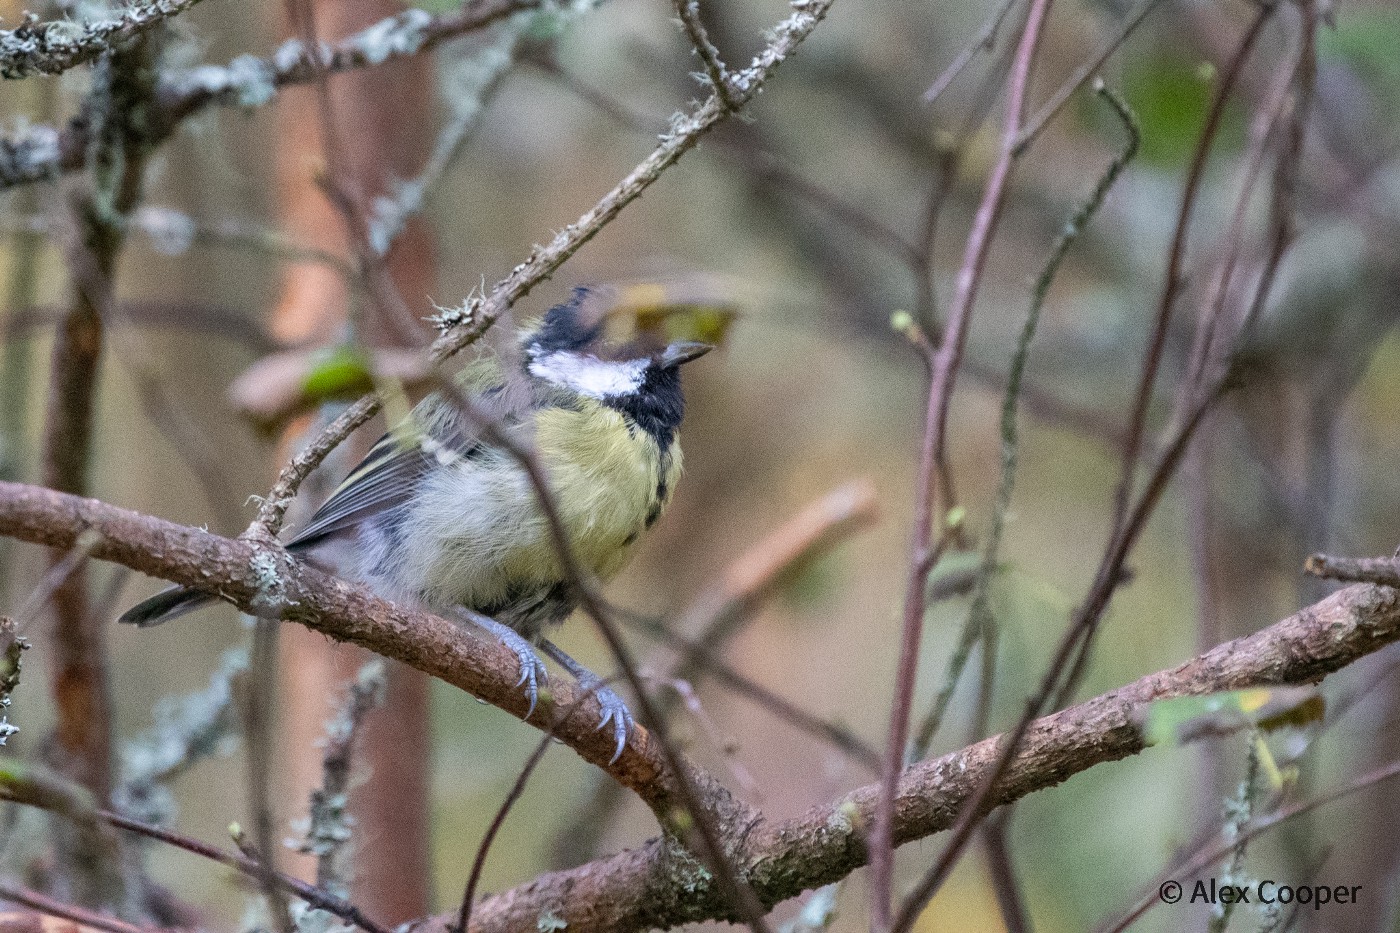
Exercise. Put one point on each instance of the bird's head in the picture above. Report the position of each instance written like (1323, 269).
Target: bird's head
(571, 351)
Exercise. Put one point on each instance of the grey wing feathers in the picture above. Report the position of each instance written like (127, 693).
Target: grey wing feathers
(389, 473)
(383, 480)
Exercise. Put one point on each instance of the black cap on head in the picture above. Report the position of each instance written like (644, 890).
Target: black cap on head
(572, 325)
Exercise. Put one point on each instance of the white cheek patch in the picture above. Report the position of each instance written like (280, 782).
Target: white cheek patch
(588, 375)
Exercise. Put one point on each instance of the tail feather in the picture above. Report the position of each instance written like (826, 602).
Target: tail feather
(164, 606)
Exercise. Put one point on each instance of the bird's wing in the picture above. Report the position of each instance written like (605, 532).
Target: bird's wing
(385, 478)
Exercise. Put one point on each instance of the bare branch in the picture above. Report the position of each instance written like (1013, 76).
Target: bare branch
(84, 918)
(622, 893)
(262, 579)
(44, 152)
(1381, 570)
(715, 71)
(933, 476)
(52, 798)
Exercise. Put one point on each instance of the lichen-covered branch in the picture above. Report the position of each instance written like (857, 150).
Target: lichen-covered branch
(44, 152)
(652, 886)
(462, 326)
(82, 740)
(659, 884)
(50, 48)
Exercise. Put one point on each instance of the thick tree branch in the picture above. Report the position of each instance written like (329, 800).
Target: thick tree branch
(650, 887)
(262, 579)
(659, 884)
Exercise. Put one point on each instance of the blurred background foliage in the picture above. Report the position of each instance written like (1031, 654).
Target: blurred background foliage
(814, 389)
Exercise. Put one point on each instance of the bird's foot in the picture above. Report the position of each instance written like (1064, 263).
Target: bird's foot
(614, 708)
(615, 711)
(532, 670)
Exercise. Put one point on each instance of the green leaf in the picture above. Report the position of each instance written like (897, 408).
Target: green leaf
(338, 372)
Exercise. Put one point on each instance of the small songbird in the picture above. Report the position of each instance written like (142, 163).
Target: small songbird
(436, 515)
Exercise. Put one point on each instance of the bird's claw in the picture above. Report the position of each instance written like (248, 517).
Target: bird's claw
(615, 711)
(532, 673)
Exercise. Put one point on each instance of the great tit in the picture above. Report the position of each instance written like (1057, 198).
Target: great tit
(437, 516)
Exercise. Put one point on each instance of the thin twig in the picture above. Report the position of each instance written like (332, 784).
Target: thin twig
(84, 918)
(57, 575)
(689, 13)
(464, 913)
(517, 789)
(1173, 282)
(980, 618)
(258, 731)
(1204, 349)
(247, 865)
(923, 553)
(984, 41)
(1042, 117)
(1011, 900)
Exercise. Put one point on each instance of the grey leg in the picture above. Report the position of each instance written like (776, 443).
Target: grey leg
(532, 671)
(614, 709)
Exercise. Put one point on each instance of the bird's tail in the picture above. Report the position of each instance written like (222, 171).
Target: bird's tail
(166, 605)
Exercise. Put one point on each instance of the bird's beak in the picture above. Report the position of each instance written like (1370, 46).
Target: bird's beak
(683, 352)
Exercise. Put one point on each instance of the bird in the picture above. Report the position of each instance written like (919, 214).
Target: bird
(442, 514)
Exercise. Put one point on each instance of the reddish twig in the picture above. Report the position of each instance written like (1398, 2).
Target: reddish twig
(84, 918)
(923, 552)
(1172, 284)
(247, 865)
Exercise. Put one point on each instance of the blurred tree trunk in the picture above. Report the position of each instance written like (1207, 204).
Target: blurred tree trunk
(383, 121)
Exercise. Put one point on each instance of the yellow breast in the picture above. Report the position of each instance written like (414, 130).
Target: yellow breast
(610, 483)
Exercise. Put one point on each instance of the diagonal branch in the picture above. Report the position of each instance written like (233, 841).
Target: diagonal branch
(262, 579)
(643, 887)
